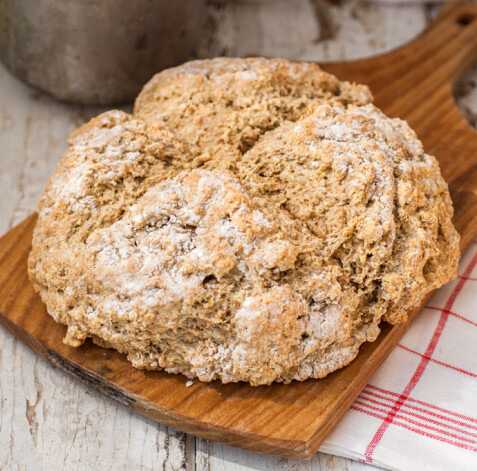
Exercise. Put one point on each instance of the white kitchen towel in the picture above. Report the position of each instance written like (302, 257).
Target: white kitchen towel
(419, 412)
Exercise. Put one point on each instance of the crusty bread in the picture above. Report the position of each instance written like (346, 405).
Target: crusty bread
(255, 220)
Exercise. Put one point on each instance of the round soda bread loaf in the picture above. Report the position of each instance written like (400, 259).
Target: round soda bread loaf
(254, 220)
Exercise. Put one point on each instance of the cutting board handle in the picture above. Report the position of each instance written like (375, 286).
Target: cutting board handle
(429, 64)
(449, 45)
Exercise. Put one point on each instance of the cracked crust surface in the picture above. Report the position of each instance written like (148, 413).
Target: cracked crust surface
(272, 261)
(221, 107)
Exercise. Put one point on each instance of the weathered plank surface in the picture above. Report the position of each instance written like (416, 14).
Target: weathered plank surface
(50, 421)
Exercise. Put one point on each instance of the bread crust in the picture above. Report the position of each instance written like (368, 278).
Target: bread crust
(269, 248)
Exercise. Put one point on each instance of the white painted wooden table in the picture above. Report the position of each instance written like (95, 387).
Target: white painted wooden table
(48, 421)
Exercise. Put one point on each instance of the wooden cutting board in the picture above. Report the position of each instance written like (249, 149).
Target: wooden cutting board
(413, 82)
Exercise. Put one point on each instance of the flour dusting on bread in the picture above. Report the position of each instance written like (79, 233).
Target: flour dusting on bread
(254, 220)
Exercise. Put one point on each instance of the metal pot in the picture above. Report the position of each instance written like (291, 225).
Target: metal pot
(96, 52)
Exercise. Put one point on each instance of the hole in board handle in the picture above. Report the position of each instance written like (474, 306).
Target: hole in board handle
(465, 19)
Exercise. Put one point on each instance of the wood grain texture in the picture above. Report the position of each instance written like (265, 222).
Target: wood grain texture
(414, 82)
